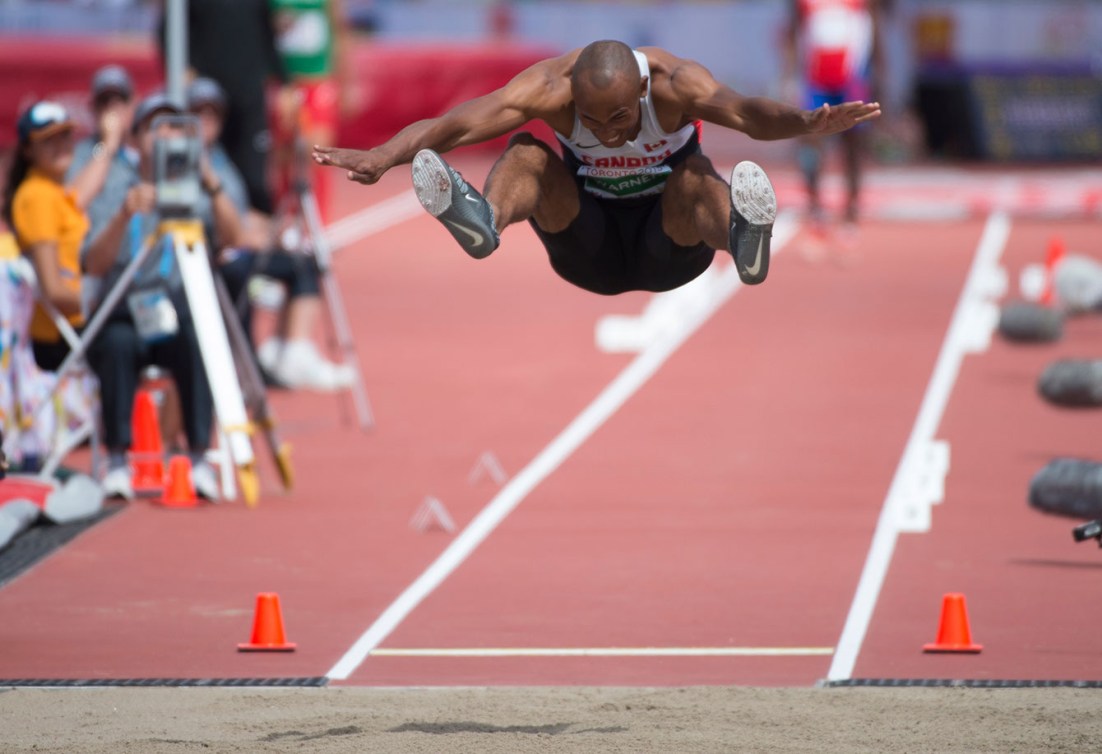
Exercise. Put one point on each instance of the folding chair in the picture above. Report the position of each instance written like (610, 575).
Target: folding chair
(71, 393)
(89, 429)
(74, 363)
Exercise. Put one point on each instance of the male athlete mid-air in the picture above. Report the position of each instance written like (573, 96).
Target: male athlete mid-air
(632, 203)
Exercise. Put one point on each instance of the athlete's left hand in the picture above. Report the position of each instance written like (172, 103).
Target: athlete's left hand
(826, 120)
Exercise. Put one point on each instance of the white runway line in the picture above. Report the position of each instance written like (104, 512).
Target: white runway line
(485, 652)
(961, 338)
(634, 376)
(373, 219)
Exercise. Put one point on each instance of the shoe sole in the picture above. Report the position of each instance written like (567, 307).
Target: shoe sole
(431, 182)
(433, 185)
(752, 194)
(754, 204)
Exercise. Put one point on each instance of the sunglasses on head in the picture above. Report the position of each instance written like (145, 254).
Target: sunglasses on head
(47, 114)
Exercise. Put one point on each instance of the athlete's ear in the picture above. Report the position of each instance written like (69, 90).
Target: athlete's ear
(644, 84)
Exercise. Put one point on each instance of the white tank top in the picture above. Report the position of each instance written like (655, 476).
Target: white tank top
(638, 168)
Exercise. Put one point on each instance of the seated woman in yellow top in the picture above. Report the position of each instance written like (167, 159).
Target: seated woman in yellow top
(48, 217)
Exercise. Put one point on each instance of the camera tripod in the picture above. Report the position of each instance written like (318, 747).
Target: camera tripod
(235, 381)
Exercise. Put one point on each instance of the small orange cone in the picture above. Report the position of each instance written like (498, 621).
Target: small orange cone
(953, 634)
(268, 633)
(179, 492)
(1053, 256)
(146, 449)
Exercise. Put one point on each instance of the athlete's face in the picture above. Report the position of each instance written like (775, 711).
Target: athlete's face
(612, 114)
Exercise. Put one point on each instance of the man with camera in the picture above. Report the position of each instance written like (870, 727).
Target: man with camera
(152, 325)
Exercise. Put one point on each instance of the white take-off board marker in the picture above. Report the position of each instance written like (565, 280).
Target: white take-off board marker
(432, 514)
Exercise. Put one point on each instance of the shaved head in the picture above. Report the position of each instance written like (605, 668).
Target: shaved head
(604, 65)
(607, 86)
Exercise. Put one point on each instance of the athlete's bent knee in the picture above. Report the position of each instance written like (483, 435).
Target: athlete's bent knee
(526, 139)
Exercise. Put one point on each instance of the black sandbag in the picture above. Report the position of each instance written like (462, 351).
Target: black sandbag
(1073, 383)
(1025, 322)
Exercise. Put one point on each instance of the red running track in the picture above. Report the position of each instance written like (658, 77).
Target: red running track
(730, 503)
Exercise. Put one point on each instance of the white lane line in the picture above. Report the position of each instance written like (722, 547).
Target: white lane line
(373, 219)
(489, 652)
(960, 338)
(634, 376)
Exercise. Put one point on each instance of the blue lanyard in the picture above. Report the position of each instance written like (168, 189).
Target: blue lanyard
(165, 268)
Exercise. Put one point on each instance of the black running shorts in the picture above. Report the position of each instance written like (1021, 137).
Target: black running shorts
(614, 246)
(618, 245)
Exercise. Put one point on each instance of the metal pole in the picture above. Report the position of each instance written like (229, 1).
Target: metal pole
(332, 293)
(176, 47)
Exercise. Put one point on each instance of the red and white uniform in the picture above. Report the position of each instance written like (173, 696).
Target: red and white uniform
(836, 41)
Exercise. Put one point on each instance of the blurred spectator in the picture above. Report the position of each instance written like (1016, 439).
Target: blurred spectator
(289, 357)
(155, 298)
(313, 41)
(48, 221)
(833, 55)
(112, 93)
(233, 42)
(47, 216)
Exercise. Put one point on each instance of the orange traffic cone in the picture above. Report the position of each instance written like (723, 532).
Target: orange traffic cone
(179, 492)
(268, 633)
(953, 634)
(146, 450)
(1053, 256)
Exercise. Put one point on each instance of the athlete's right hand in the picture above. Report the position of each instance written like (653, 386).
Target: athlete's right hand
(363, 166)
(826, 120)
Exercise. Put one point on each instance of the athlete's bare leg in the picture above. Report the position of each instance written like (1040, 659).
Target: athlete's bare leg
(852, 146)
(530, 180)
(699, 206)
(810, 155)
(696, 205)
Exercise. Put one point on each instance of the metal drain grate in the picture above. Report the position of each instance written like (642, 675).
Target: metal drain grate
(980, 683)
(314, 681)
(40, 540)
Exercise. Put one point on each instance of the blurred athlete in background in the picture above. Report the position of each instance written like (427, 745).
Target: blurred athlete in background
(833, 55)
(312, 39)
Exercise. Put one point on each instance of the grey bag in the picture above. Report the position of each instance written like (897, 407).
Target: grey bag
(1068, 487)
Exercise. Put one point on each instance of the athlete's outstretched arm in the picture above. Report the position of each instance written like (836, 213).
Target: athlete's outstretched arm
(471, 122)
(701, 96)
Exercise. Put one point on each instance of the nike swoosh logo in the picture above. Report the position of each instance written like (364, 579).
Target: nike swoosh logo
(752, 269)
(475, 236)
